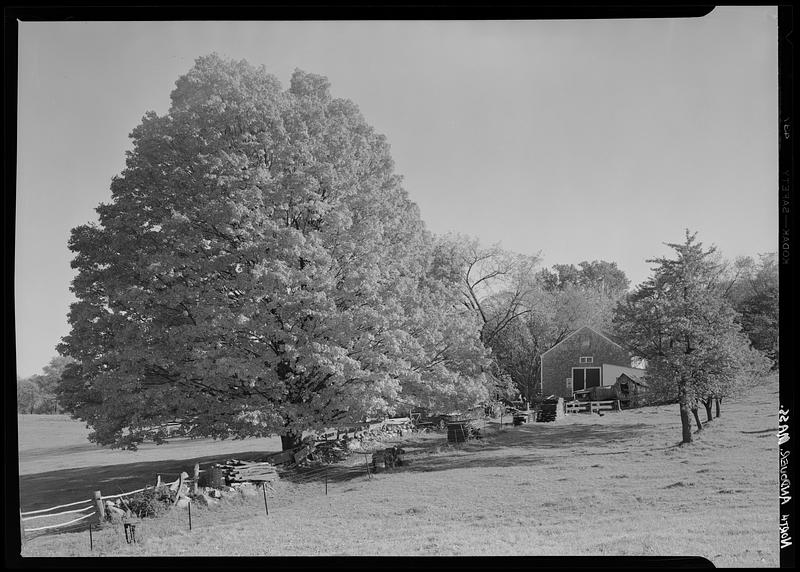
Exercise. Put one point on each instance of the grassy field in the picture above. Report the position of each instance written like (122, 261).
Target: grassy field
(586, 485)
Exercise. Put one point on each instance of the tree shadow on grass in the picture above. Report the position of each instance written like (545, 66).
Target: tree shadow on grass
(333, 473)
(564, 436)
(454, 462)
(523, 445)
(43, 490)
(529, 445)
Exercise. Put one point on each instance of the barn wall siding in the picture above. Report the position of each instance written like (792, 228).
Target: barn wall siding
(557, 364)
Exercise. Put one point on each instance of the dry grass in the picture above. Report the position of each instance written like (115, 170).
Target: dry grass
(611, 485)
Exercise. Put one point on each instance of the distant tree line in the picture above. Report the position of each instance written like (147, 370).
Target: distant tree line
(38, 393)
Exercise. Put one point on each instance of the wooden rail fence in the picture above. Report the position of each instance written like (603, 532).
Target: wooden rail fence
(92, 512)
(57, 522)
(592, 406)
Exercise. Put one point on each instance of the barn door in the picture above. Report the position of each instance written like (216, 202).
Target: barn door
(578, 379)
(592, 377)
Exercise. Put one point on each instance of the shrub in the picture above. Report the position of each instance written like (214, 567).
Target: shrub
(150, 502)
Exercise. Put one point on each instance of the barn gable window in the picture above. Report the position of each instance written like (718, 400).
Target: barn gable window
(586, 359)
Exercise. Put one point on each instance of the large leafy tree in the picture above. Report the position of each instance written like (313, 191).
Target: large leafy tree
(752, 288)
(494, 285)
(495, 282)
(681, 324)
(260, 270)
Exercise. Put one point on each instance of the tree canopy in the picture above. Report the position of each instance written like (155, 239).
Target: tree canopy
(260, 270)
(598, 275)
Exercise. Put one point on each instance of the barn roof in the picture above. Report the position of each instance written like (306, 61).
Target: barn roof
(635, 379)
(611, 338)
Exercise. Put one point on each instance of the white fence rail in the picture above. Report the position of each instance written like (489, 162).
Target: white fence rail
(104, 497)
(55, 507)
(62, 525)
(592, 406)
(51, 513)
(93, 506)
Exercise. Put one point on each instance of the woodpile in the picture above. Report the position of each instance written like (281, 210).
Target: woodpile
(330, 451)
(398, 426)
(550, 410)
(235, 471)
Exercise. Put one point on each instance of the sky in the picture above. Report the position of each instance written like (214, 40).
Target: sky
(577, 140)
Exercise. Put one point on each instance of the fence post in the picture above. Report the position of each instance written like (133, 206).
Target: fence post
(98, 506)
(178, 490)
(91, 543)
(21, 529)
(195, 487)
(264, 489)
(190, 515)
(366, 464)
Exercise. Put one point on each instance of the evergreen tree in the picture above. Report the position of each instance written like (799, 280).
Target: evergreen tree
(681, 324)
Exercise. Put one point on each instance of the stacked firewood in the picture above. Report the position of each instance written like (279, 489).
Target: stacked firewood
(235, 471)
(551, 410)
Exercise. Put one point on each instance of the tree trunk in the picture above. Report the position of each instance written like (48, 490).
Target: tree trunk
(718, 400)
(707, 404)
(686, 424)
(290, 441)
(697, 418)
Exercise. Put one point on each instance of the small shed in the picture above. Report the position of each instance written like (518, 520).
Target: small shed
(630, 390)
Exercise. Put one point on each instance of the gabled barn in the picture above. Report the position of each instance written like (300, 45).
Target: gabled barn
(585, 359)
